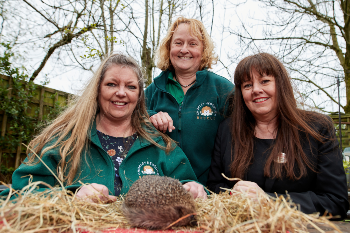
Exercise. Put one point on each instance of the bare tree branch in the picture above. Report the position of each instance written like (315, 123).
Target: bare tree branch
(65, 40)
(54, 23)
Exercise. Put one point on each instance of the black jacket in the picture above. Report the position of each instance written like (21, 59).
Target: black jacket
(317, 192)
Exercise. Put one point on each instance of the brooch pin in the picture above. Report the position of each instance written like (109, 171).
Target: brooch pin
(281, 158)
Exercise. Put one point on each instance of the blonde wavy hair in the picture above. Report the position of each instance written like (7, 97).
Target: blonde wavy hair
(70, 131)
(197, 29)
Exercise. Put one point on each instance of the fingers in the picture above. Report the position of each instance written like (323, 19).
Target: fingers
(95, 193)
(162, 121)
(202, 193)
(250, 188)
(195, 189)
(111, 199)
(246, 186)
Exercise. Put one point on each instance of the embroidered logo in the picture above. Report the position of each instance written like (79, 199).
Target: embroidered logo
(206, 111)
(147, 168)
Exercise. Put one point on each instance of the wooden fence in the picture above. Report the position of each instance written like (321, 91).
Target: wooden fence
(345, 128)
(44, 99)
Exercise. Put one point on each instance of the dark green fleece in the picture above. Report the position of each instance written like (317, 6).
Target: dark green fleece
(197, 120)
(97, 166)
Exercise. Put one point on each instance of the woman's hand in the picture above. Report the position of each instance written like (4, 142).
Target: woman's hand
(250, 188)
(162, 121)
(196, 190)
(95, 193)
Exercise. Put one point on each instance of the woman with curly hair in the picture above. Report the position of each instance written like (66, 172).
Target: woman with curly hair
(187, 101)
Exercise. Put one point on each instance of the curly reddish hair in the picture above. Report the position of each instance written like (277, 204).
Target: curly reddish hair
(197, 29)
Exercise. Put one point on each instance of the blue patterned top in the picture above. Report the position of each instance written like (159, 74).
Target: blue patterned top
(117, 148)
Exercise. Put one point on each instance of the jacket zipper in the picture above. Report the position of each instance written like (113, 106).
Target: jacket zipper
(179, 128)
(179, 113)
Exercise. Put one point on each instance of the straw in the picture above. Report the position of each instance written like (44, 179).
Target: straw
(58, 210)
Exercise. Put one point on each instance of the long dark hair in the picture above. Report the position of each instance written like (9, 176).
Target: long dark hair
(291, 122)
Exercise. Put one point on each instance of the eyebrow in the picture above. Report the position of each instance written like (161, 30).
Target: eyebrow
(127, 82)
(131, 82)
(192, 39)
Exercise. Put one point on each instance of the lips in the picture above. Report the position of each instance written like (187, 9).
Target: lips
(119, 103)
(259, 100)
(185, 58)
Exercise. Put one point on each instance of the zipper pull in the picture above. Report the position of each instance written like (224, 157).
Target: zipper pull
(179, 126)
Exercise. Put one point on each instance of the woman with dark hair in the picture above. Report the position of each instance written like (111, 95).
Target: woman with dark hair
(274, 147)
(105, 139)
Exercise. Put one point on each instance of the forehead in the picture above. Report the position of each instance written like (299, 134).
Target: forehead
(251, 74)
(120, 72)
(185, 29)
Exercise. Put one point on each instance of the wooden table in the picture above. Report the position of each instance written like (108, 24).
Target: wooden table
(343, 226)
(142, 231)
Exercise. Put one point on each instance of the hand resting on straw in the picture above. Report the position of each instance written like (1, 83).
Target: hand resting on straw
(195, 189)
(252, 189)
(95, 193)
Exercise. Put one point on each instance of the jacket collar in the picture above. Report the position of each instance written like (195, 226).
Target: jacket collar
(162, 79)
(139, 143)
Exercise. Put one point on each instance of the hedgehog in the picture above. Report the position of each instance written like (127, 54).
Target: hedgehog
(155, 202)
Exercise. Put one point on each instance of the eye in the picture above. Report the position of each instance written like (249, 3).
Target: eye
(265, 81)
(247, 85)
(193, 43)
(111, 84)
(132, 87)
(177, 42)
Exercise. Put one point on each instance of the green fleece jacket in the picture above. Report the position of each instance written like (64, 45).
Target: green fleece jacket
(197, 119)
(96, 166)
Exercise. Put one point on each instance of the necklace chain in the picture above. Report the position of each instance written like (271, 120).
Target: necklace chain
(185, 85)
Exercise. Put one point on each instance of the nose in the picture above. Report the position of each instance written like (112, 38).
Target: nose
(257, 88)
(121, 92)
(184, 48)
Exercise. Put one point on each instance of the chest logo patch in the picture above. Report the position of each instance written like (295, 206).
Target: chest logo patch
(206, 111)
(147, 168)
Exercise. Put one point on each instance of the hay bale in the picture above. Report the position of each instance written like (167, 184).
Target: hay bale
(57, 210)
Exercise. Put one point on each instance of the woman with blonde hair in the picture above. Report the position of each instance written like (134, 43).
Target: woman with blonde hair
(187, 101)
(276, 148)
(105, 139)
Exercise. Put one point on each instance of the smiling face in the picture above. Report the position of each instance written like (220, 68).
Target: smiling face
(185, 50)
(259, 95)
(119, 93)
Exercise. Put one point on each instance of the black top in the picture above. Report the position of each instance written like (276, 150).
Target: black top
(316, 192)
(117, 148)
(261, 153)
